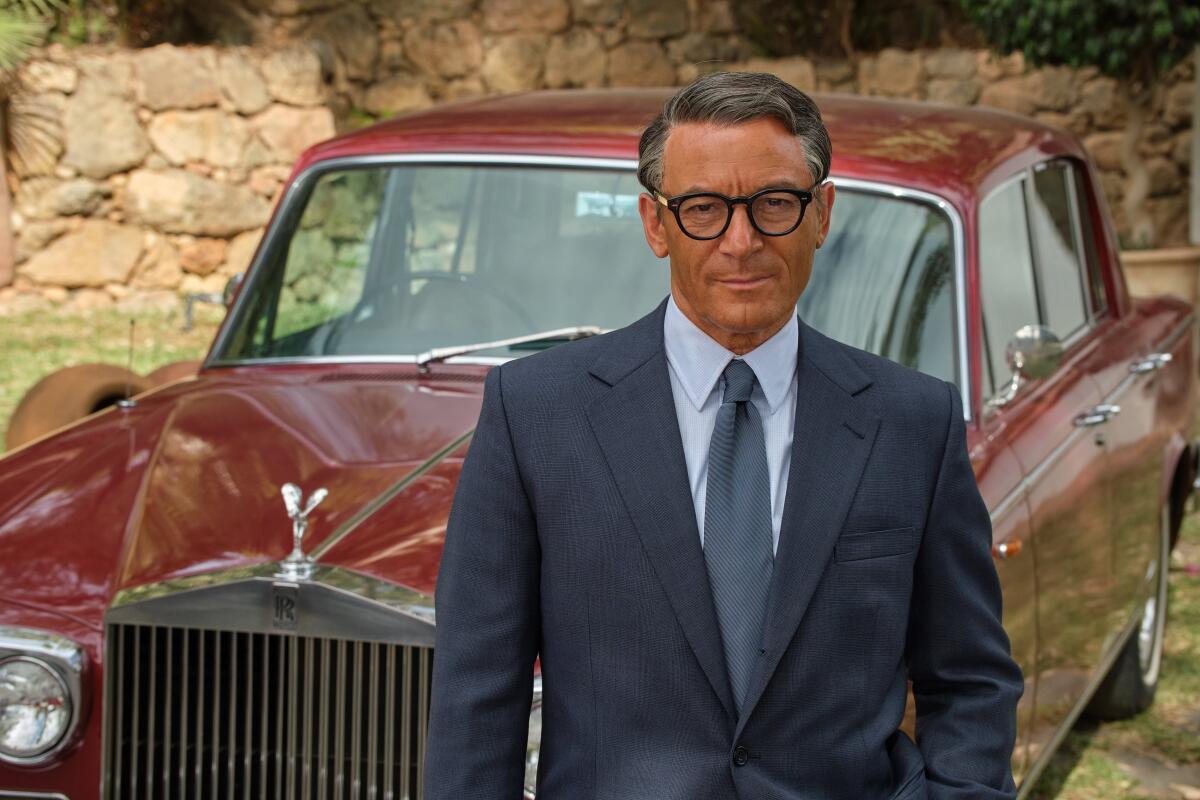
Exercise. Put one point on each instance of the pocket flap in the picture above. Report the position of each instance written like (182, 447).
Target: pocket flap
(874, 544)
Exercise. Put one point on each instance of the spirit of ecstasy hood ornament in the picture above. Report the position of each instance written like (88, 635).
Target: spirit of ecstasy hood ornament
(297, 566)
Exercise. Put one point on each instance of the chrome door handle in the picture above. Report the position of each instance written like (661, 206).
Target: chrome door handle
(1152, 362)
(1097, 415)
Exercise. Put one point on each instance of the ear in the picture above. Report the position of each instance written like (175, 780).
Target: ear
(652, 224)
(826, 194)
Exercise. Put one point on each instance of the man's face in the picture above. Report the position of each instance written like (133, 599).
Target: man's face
(743, 286)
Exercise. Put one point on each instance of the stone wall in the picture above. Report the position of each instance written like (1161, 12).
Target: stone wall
(159, 167)
(158, 170)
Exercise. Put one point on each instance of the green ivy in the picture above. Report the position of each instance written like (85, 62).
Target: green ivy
(1122, 38)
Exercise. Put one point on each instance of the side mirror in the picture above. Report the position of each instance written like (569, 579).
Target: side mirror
(1033, 353)
(231, 288)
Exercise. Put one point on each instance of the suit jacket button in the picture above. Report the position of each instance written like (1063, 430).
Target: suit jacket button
(741, 756)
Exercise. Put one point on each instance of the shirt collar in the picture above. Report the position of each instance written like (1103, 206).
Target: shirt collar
(698, 360)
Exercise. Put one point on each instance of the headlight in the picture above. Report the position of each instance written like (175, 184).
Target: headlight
(41, 683)
(35, 708)
(534, 746)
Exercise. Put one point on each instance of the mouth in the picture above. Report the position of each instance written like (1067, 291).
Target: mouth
(742, 283)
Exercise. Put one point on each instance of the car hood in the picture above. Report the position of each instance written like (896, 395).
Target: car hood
(188, 482)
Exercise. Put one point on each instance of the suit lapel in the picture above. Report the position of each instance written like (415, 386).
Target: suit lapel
(638, 430)
(832, 439)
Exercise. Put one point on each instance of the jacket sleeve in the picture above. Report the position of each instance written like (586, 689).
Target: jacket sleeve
(964, 680)
(488, 622)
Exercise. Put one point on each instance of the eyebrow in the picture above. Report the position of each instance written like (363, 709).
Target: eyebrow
(779, 184)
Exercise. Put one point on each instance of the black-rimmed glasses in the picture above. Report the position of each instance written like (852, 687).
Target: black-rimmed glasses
(706, 215)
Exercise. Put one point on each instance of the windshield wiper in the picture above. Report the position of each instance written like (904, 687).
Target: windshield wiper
(557, 335)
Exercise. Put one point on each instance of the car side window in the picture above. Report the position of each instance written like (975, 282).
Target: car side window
(1078, 179)
(1006, 284)
(1056, 245)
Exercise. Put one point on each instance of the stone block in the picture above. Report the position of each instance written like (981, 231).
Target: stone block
(159, 266)
(796, 70)
(448, 50)
(657, 19)
(35, 236)
(209, 135)
(893, 73)
(242, 84)
(576, 58)
(439, 10)
(102, 131)
(89, 300)
(287, 131)
(463, 88)
(508, 16)
(951, 64)
(353, 35)
(515, 62)
(1053, 88)
(1102, 99)
(990, 66)
(640, 64)
(176, 77)
(954, 91)
(1009, 94)
(240, 251)
(202, 256)
(178, 201)
(98, 252)
(1105, 150)
(598, 12)
(45, 198)
(713, 16)
(47, 76)
(293, 75)
(1177, 104)
(396, 95)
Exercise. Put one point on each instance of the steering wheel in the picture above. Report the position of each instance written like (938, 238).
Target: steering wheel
(473, 283)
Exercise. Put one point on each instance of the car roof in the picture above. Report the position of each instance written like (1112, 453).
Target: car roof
(953, 151)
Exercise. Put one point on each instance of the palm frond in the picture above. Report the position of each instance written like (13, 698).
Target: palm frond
(43, 9)
(34, 135)
(18, 35)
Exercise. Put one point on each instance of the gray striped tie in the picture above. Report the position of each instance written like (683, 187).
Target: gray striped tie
(738, 547)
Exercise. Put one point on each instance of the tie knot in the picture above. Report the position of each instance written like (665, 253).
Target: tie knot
(739, 382)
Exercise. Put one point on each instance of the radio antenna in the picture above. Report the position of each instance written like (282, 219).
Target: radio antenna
(127, 402)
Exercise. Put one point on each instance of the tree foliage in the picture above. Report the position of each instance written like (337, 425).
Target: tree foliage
(1129, 39)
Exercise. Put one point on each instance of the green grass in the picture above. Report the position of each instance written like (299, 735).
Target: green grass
(34, 345)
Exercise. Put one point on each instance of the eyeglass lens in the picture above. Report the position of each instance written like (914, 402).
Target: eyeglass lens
(773, 213)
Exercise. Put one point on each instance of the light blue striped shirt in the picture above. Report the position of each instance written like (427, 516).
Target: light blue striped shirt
(696, 362)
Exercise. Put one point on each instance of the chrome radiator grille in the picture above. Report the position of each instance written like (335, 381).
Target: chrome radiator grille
(220, 714)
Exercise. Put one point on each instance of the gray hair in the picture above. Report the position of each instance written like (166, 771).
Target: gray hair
(732, 98)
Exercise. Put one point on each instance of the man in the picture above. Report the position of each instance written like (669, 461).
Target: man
(730, 539)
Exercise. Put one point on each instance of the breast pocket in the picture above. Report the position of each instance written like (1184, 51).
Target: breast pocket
(874, 544)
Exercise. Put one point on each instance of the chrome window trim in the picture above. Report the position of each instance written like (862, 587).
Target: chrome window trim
(960, 264)
(291, 201)
(298, 190)
(13, 794)
(65, 658)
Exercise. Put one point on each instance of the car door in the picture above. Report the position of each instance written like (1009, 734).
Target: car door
(1063, 468)
(1125, 368)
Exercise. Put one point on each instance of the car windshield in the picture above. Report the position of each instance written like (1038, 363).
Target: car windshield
(396, 260)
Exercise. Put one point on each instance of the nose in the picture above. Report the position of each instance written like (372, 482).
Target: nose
(740, 238)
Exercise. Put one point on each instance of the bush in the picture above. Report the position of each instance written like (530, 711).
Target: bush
(1123, 38)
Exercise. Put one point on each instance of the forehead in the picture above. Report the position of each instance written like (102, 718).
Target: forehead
(738, 155)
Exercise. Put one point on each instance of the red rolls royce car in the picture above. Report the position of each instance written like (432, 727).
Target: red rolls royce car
(223, 588)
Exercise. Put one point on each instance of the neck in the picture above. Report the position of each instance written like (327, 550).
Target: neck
(737, 342)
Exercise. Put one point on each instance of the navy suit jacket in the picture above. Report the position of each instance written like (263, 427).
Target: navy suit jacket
(573, 537)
